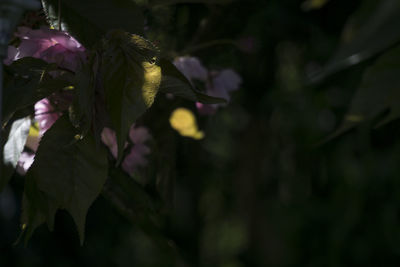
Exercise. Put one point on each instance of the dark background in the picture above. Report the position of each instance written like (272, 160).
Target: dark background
(261, 189)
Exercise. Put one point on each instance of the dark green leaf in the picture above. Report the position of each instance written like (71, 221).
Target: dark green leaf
(31, 83)
(37, 208)
(89, 20)
(366, 35)
(137, 206)
(81, 111)
(68, 172)
(174, 82)
(29, 66)
(131, 78)
(206, 99)
(379, 92)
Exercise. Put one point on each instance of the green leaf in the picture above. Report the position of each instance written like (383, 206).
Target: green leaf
(372, 30)
(174, 82)
(89, 20)
(131, 78)
(37, 208)
(31, 83)
(379, 92)
(29, 66)
(133, 202)
(13, 148)
(206, 99)
(81, 110)
(66, 171)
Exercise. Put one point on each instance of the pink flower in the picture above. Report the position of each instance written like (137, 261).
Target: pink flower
(136, 158)
(137, 154)
(45, 115)
(50, 45)
(221, 85)
(139, 135)
(24, 163)
(191, 67)
(63, 57)
(11, 55)
(217, 83)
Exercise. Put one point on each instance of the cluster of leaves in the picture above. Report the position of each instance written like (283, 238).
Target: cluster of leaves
(119, 82)
(256, 191)
(374, 41)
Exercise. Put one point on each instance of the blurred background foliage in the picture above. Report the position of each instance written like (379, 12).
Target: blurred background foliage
(300, 169)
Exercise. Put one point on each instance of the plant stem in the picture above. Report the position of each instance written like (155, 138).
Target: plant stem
(209, 44)
(59, 15)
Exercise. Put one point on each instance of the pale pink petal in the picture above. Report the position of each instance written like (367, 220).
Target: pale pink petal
(223, 83)
(191, 67)
(24, 163)
(135, 159)
(22, 31)
(68, 42)
(12, 55)
(227, 80)
(139, 135)
(32, 48)
(45, 115)
(50, 45)
(141, 149)
(137, 155)
(109, 138)
(54, 54)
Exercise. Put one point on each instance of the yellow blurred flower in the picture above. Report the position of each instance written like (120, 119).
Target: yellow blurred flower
(184, 122)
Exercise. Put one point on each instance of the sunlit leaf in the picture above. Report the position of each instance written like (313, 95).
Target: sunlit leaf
(131, 79)
(32, 142)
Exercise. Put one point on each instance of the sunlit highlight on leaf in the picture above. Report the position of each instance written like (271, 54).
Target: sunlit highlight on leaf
(32, 141)
(34, 130)
(152, 79)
